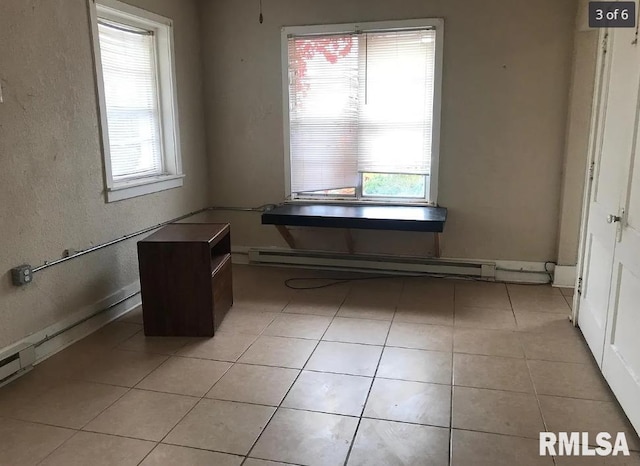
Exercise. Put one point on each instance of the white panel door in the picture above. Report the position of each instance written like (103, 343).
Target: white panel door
(615, 139)
(621, 362)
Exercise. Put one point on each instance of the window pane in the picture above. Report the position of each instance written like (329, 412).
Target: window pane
(323, 110)
(396, 102)
(130, 83)
(393, 185)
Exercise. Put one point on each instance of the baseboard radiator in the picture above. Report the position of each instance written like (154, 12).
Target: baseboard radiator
(372, 263)
(16, 360)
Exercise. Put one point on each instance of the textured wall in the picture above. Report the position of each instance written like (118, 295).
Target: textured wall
(507, 66)
(51, 182)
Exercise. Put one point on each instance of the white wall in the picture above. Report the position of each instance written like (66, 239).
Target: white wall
(507, 67)
(51, 182)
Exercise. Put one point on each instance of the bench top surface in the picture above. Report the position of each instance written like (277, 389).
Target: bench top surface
(377, 217)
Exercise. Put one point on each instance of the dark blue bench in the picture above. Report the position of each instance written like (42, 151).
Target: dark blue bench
(369, 217)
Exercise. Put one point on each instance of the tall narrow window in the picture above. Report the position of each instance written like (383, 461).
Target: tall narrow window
(362, 110)
(137, 100)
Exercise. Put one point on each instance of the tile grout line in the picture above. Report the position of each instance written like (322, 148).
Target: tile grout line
(296, 379)
(533, 385)
(375, 373)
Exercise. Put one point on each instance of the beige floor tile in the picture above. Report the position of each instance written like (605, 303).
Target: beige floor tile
(497, 412)
(86, 448)
(478, 317)
(254, 384)
(304, 437)
(632, 460)
(482, 449)
(566, 291)
(72, 404)
(569, 300)
(134, 316)
(366, 311)
(386, 443)
(348, 330)
(26, 443)
(223, 426)
(142, 414)
(421, 336)
(259, 304)
(487, 342)
(109, 336)
(426, 299)
(416, 402)
(249, 322)
(378, 305)
(542, 322)
(160, 345)
(533, 290)
(563, 346)
(185, 376)
(329, 393)
(540, 303)
(298, 326)
(279, 351)
(345, 358)
(574, 415)
(167, 455)
(477, 294)
(222, 347)
(432, 314)
(569, 379)
(119, 367)
(427, 295)
(26, 388)
(315, 303)
(255, 462)
(415, 365)
(473, 370)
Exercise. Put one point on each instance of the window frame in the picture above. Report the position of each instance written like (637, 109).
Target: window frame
(431, 180)
(119, 12)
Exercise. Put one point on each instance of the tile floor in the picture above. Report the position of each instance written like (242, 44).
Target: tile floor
(396, 371)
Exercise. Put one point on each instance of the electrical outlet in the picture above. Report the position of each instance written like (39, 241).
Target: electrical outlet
(21, 275)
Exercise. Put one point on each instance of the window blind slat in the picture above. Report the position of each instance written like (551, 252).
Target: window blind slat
(133, 115)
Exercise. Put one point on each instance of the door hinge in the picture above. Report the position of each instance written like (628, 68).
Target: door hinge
(604, 43)
(592, 169)
(579, 290)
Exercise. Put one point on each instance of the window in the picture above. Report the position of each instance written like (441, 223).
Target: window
(362, 104)
(136, 89)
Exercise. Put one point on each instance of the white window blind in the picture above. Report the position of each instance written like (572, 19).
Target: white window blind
(360, 103)
(129, 72)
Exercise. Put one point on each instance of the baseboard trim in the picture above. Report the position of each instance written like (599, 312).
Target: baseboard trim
(60, 335)
(564, 276)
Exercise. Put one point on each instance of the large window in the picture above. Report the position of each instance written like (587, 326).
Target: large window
(362, 105)
(136, 84)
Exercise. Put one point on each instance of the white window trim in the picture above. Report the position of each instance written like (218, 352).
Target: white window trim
(438, 25)
(167, 90)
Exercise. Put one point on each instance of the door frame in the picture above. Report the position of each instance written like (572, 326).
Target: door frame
(596, 127)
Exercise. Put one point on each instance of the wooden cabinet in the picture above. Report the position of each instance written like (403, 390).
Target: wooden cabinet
(185, 277)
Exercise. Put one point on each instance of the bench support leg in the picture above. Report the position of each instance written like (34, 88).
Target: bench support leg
(349, 240)
(286, 234)
(436, 245)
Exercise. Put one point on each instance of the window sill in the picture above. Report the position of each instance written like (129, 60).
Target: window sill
(143, 186)
(361, 202)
